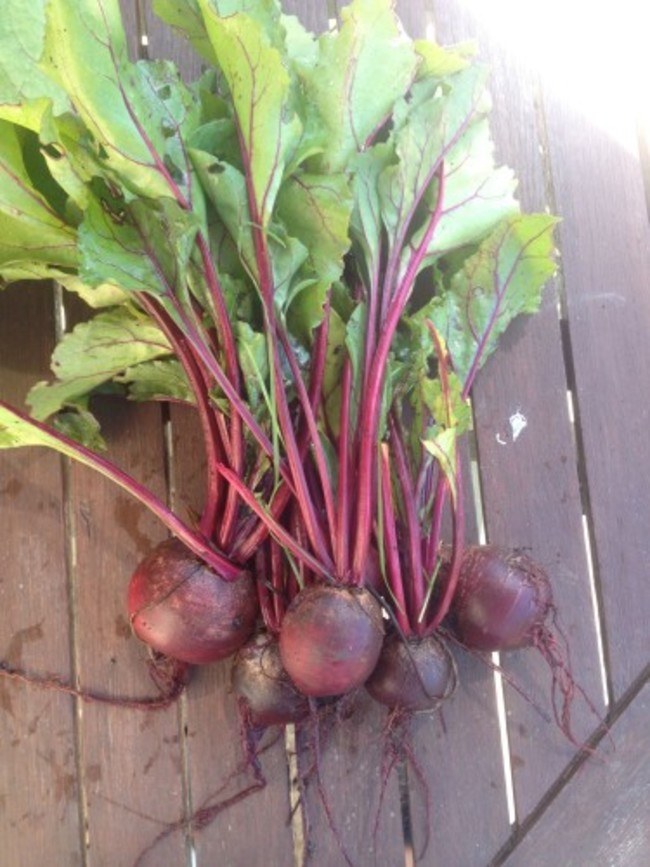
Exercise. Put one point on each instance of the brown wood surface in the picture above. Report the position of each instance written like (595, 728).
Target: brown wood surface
(528, 376)
(87, 785)
(601, 815)
(606, 265)
(39, 793)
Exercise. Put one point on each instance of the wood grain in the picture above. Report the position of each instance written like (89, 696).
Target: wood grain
(606, 267)
(601, 814)
(527, 376)
(259, 826)
(130, 759)
(39, 794)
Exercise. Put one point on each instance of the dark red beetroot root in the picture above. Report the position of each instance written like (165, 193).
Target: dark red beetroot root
(413, 674)
(266, 694)
(330, 639)
(502, 601)
(180, 607)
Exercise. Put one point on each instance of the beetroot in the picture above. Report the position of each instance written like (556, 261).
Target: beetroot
(413, 674)
(331, 638)
(502, 601)
(266, 694)
(182, 608)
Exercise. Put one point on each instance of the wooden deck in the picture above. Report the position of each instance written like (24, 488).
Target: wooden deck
(82, 784)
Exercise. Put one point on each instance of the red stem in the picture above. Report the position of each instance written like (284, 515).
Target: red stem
(342, 549)
(267, 609)
(457, 553)
(278, 565)
(247, 544)
(412, 523)
(391, 547)
(274, 527)
(209, 428)
(374, 389)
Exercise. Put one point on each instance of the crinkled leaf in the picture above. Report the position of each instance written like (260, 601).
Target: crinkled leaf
(334, 359)
(226, 188)
(448, 410)
(316, 209)
(428, 125)
(440, 61)
(366, 222)
(81, 426)
(139, 114)
(288, 255)
(305, 309)
(26, 91)
(503, 279)
(103, 295)
(362, 69)
(157, 380)
(32, 234)
(94, 353)
(477, 195)
(144, 248)
(443, 448)
(259, 87)
(253, 351)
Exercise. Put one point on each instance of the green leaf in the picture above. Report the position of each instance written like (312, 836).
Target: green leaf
(427, 126)
(225, 186)
(316, 210)
(139, 114)
(477, 195)
(334, 359)
(144, 247)
(440, 61)
(366, 223)
(362, 69)
(452, 410)
(94, 353)
(503, 279)
(26, 91)
(32, 235)
(443, 448)
(81, 426)
(157, 380)
(253, 351)
(259, 86)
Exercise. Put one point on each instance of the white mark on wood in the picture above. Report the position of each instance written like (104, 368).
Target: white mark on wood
(518, 423)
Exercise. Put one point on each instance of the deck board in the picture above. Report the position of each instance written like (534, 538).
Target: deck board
(39, 793)
(138, 772)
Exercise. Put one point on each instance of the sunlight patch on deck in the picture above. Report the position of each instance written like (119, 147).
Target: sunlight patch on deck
(573, 47)
(596, 608)
(504, 739)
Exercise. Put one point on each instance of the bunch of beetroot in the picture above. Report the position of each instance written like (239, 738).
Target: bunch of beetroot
(311, 245)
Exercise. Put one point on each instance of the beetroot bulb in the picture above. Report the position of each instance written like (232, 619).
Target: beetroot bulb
(179, 606)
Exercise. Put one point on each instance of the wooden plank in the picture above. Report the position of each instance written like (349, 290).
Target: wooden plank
(130, 759)
(39, 796)
(540, 466)
(240, 834)
(606, 263)
(130, 16)
(601, 814)
(257, 828)
(165, 43)
(464, 793)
